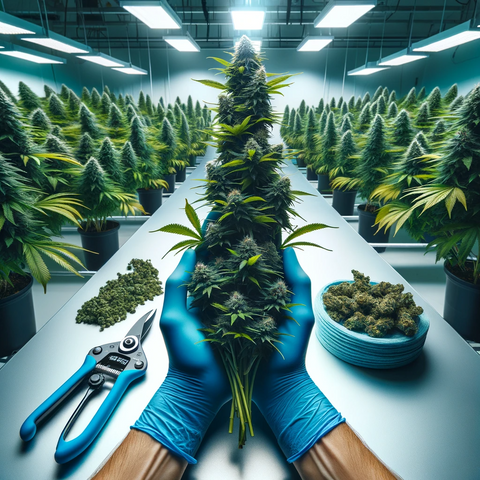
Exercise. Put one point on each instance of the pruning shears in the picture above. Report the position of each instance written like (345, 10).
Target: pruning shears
(119, 363)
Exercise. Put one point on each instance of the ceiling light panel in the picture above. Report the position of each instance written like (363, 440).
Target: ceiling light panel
(183, 43)
(247, 19)
(314, 44)
(452, 37)
(131, 70)
(369, 69)
(342, 13)
(401, 58)
(153, 14)
(454, 41)
(11, 25)
(30, 57)
(102, 59)
(55, 45)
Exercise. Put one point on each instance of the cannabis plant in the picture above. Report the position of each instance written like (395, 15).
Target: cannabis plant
(86, 97)
(345, 158)
(373, 166)
(73, 102)
(56, 107)
(130, 165)
(88, 122)
(392, 110)
(451, 95)
(101, 196)
(421, 94)
(86, 148)
(329, 141)
(351, 103)
(108, 159)
(423, 115)
(392, 97)
(410, 99)
(402, 129)
(451, 198)
(7, 92)
(238, 284)
(365, 99)
(40, 120)
(96, 98)
(364, 118)
(378, 93)
(28, 99)
(25, 230)
(457, 103)
(434, 100)
(105, 103)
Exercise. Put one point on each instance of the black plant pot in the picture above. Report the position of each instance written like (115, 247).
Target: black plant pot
(151, 199)
(17, 320)
(461, 308)
(300, 161)
(104, 243)
(368, 231)
(192, 160)
(311, 175)
(323, 184)
(344, 201)
(170, 179)
(181, 175)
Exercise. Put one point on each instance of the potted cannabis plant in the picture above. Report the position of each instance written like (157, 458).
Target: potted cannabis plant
(102, 197)
(452, 202)
(373, 166)
(238, 283)
(346, 160)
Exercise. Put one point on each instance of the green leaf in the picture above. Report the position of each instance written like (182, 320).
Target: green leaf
(211, 83)
(226, 63)
(233, 252)
(253, 260)
(193, 217)
(225, 215)
(254, 199)
(303, 230)
(180, 246)
(303, 244)
(178, 229)
(467, 162)
(242, 265)
(263, 219)
(255, 281)
(243, 335)
(36, 265)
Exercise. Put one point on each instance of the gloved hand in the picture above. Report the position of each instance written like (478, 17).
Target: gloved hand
(196, 385)
(297, 411)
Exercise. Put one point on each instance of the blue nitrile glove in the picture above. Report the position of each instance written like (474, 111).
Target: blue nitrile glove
(297, 411)
(196, 385)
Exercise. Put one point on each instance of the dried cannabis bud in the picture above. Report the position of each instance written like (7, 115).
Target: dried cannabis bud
(373, 309)
(121, 296)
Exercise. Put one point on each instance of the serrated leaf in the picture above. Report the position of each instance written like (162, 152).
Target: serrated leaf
(193, 217)
(312, 227)
(211, 83)
(178, 229)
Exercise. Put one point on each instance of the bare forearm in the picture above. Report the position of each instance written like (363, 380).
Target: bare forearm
(341, 455)
(140, 457)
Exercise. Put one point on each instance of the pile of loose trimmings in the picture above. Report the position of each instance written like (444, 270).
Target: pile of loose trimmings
(374, 309)
(121, 296)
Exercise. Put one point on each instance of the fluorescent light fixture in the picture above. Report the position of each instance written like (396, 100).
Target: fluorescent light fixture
(257, 43)
(369, 69)
(342, 13)
(102, 59)
(131, 70)
(11, 25)
(401, 58)
(57, 42)
(154, 14)
(30, 55)
(452, 37)
(247, 19)
(314, 44)
(183, 43)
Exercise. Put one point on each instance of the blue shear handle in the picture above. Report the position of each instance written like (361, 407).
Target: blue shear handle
(29, 427)
(67, 451)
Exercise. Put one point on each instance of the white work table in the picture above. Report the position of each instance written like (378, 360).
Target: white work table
(422, 420)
